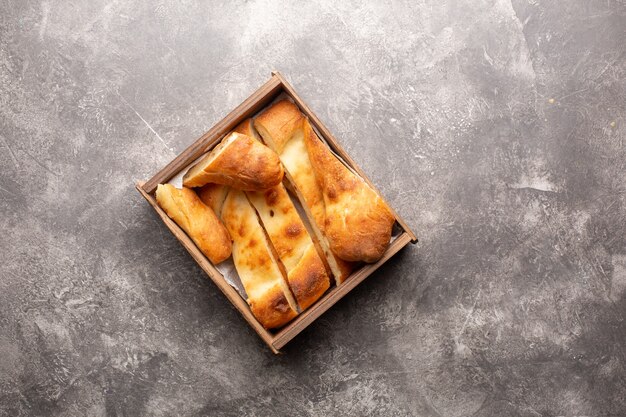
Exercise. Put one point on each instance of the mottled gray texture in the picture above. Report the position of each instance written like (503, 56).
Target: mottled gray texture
(495, 127)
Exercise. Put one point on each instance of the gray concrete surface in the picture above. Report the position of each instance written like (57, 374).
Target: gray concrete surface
(495, 127)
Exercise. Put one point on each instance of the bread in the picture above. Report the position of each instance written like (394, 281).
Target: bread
(305, 270)
(269, 296)
(197, 220)
(247, 128)
(278, 124)
(282, 128)
(238, 161)
(358, 222)
(294, 247)
(213, 195)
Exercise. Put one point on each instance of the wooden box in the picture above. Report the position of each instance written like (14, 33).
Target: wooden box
(251, 106)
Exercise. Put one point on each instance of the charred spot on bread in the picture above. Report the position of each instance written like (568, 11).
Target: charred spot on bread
(279, 302)
(271, 196)
(293, 230)
(274, 311)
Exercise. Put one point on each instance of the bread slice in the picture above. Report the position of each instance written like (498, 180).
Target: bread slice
(238, 161)
(247, 128)
(278, 123)
(268, 294)
(213, 195)
(282, 127)
(358, 222)
(305, 270)
(197, 220)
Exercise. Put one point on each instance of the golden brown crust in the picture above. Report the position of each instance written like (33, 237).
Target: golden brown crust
(273, 310)
(213, 195)
(281, 221)
(269, 297)
(278, 123)
(197, 220)
(304, 175)
(247, 128)
(283, 128)
(341, 269)
(293, 244)
(358, 222)
(240, 162)
(308, 280)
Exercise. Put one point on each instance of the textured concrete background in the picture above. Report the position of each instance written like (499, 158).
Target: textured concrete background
(495, 127)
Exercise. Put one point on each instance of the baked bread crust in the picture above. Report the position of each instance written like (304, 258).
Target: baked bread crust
(283, 127)
(268, 294)
(247, 128)
(239, 161)
(305, 270)
(197, 220)
(213, 195)
(276, 124)
(358, 222)
(308, 280)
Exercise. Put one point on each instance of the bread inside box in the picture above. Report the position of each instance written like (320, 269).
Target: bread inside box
(300, 293)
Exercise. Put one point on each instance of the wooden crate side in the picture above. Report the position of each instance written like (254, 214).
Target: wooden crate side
(215, 275)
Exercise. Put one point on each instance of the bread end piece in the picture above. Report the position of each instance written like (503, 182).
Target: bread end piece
(239, 161)
(197, 175)
(197, 220)
(358, 222)
(276, 124)
(247, 128)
